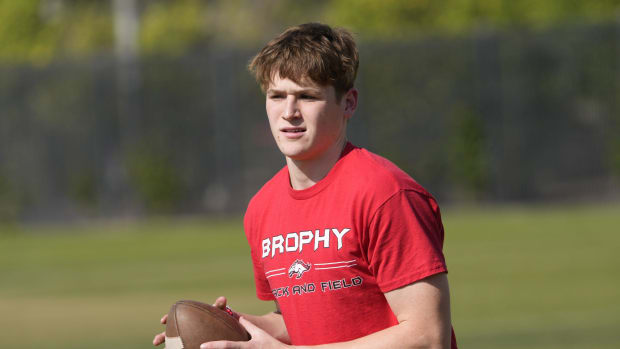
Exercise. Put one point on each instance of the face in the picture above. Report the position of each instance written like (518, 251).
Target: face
(307, 120)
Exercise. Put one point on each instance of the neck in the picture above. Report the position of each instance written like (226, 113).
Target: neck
(306, 173)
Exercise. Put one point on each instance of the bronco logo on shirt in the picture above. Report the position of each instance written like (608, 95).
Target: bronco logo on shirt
(298, 268)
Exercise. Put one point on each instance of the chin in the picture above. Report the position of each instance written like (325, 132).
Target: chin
(295, 155)
(293, 152)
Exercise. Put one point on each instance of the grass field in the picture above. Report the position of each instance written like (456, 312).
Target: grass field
(521, 277)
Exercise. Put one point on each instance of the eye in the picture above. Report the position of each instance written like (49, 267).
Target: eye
(307, 97)
(275, 96)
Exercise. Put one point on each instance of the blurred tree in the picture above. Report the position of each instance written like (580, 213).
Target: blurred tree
(39, 30)
(154, 176)
(468, 159)
(398, 19)
(8, 204)
(24, 34)
(82, 186)
(173, 26)
(36, 31)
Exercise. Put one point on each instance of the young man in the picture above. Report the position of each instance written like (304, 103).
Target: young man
(347, 245)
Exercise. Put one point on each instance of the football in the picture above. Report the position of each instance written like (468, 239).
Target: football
(192, 323)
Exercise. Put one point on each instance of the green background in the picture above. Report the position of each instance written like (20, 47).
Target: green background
(521, 277)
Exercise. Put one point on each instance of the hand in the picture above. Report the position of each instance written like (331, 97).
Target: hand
(161, 337)
(260, 339)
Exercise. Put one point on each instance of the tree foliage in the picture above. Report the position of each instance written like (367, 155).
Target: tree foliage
(404, 18)
(39, 30)
(173, 26)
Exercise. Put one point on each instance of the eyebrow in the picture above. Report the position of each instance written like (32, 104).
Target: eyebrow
(301, 91)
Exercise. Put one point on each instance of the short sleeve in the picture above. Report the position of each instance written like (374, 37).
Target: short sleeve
(405, 240)
(263, 290)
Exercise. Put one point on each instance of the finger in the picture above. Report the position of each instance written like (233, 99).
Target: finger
(222, 345)
(159, 338)
(252, 329)
(164, 319)
(220, 302)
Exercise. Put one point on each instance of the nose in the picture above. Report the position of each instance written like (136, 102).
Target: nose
(291, 110)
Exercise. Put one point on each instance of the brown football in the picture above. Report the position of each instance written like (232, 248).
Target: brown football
(192, 323)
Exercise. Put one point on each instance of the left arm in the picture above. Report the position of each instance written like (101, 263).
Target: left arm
(423, 312)
(422, 309)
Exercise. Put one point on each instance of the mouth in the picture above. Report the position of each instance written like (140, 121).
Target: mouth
(293, 129)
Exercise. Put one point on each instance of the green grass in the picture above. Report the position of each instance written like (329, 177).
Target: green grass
(536, 277)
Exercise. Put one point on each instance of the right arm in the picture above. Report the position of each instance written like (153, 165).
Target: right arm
(272, 323)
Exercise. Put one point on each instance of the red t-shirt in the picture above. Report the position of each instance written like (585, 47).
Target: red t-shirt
(328, 253)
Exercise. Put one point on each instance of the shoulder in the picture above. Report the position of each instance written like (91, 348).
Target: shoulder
(374, 173)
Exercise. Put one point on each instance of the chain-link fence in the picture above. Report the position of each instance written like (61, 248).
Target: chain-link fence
(492, 117)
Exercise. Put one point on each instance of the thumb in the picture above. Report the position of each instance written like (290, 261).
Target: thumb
(220, 302)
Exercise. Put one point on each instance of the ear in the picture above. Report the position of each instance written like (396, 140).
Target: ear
(350, 102)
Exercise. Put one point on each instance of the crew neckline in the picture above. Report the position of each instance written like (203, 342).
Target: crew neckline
(307, 193)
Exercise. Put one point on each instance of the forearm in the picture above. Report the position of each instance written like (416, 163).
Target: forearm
(402, 335)
(272, 323)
